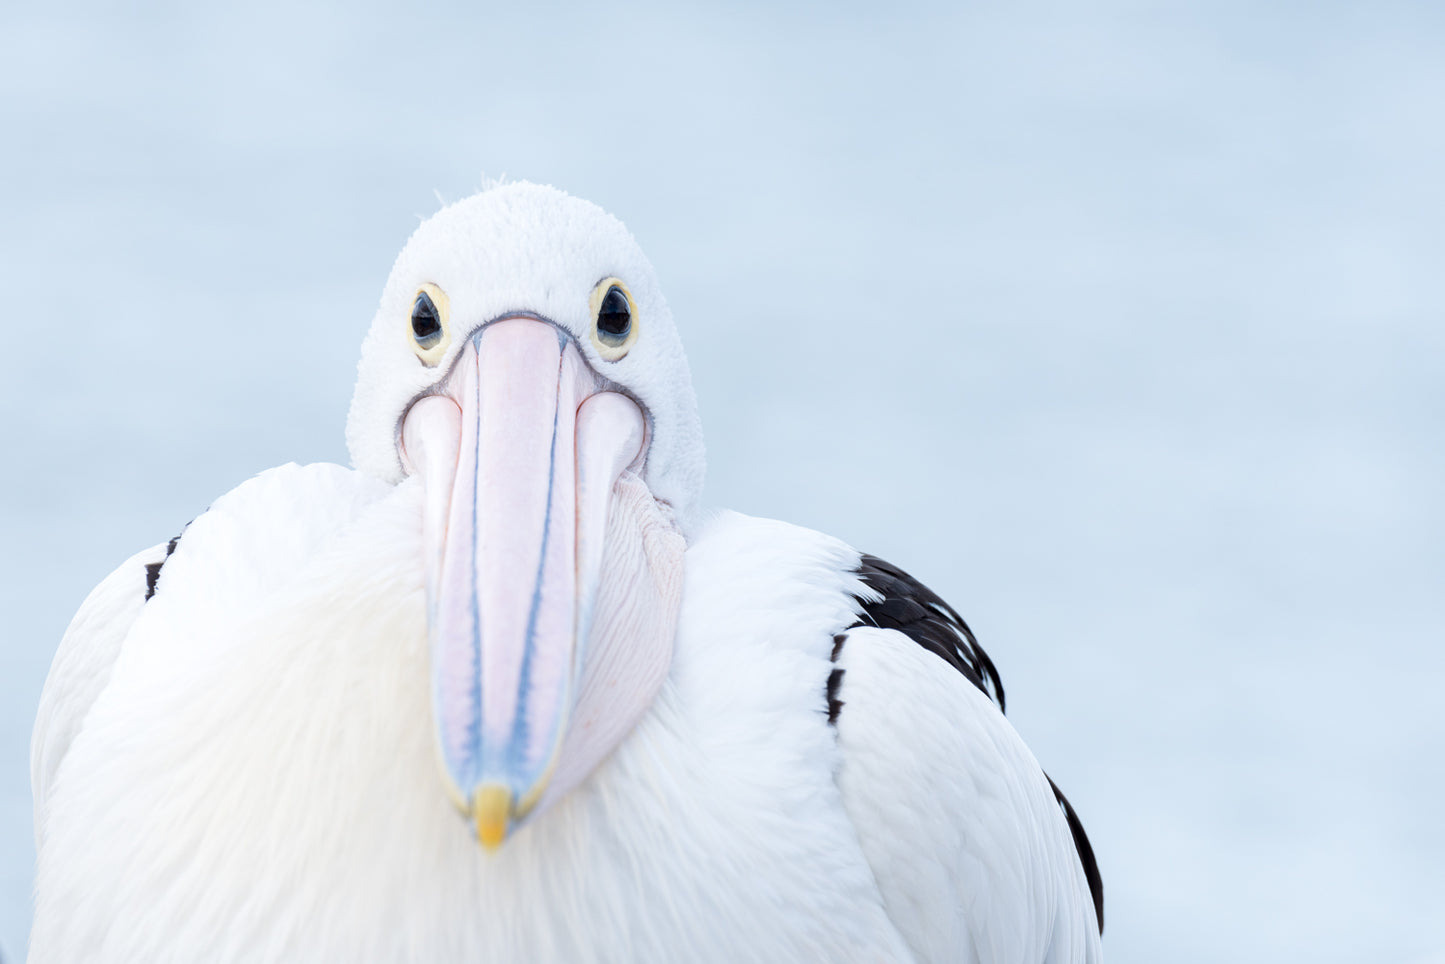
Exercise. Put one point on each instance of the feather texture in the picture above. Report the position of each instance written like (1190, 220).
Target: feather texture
(262, 787)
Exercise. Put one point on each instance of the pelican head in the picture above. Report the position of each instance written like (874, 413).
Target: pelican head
(524, 366)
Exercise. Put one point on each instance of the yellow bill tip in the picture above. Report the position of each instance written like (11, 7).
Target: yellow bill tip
(491, 811)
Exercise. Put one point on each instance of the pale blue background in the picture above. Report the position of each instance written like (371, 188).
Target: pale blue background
(1121, 328)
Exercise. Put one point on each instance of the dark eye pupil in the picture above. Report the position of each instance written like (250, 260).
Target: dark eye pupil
(615, 315)
(425, 324)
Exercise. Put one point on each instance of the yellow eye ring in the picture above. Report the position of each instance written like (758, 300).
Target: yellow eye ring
(614, 319)
(430, 326)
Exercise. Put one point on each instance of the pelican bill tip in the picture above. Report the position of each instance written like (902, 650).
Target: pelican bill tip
(491, 814)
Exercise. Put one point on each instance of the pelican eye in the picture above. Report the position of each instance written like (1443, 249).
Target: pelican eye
(614, 319)
(430, 326)
(614, 328)
(426, 324)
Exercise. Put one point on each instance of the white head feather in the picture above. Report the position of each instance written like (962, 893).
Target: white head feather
(522, 248)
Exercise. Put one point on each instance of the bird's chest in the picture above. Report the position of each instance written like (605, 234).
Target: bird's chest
(714, 832)
(296, 812)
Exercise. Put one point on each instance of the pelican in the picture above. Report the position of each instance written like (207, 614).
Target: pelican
(506, 691)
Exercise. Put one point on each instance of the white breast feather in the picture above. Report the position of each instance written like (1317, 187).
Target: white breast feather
(262, 786)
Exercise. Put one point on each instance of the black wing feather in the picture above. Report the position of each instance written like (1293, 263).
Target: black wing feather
(919, 613)
(1086, 852)
(153, 569)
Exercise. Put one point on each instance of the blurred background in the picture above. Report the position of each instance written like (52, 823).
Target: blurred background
(1123, 329)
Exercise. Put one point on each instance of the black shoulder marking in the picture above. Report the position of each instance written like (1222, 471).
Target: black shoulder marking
(153, 569)
(917, 611)
(1086, 852)
(835, 705)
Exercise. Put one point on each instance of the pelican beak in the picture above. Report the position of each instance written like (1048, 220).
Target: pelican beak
(519, 454)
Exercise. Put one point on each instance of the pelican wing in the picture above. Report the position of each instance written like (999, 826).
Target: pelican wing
(83, 662)
(249, 541)
(977, 855)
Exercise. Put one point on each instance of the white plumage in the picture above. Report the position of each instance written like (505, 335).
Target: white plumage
(244, 767)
